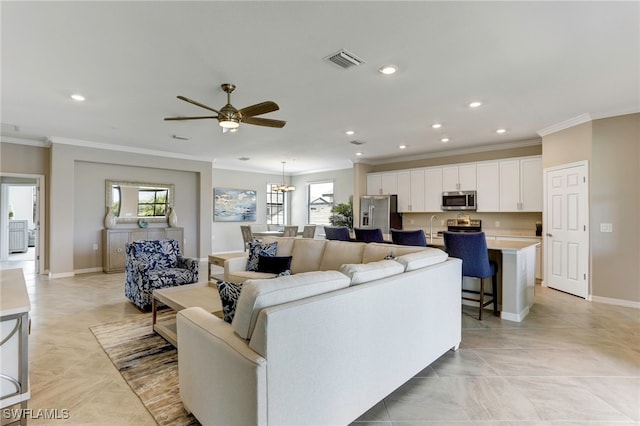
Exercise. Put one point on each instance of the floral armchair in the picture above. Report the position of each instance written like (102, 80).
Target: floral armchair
(155, 264)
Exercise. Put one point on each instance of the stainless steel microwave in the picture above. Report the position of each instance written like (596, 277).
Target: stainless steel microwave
(459, 200)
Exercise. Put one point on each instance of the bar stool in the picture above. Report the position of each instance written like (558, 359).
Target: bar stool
(409, 238)
(368, 235)
(471, 247)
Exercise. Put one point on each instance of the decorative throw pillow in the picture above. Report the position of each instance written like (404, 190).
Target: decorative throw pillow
(229, 294)
(274, 264)
(256, 248)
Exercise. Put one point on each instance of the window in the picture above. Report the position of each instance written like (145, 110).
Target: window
(275, 205)
(152, 202)
(320, 202)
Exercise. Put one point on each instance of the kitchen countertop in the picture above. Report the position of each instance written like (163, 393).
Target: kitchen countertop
(491, 244)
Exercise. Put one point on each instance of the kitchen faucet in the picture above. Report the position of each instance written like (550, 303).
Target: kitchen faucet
(431, 228)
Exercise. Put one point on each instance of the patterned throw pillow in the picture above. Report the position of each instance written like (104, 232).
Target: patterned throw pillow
(229, 294)
(274, 264)
(256, 248)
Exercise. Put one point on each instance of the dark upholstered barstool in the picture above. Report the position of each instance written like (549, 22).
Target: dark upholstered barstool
(368, 235)
(337, 233)
(471, 247)
(409, 238)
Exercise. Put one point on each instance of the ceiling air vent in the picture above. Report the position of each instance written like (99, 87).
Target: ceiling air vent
(344, 59)
(357, 142)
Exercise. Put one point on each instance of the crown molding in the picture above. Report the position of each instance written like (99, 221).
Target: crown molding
(451, 152)
(572, 122)
(24, 141)
(112, 147)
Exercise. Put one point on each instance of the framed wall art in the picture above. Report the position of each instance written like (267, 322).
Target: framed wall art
(234, 205)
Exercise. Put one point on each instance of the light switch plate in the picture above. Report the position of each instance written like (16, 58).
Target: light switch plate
(606, 227)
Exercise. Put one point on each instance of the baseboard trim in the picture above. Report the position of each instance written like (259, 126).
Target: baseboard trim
(88, 270)
(514, 317)
(618, 302)
(53, 276)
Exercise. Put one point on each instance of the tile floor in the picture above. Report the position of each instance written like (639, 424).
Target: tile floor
(571, 362)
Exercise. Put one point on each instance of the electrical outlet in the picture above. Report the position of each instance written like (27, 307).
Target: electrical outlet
(497, 224)
(411, 221)
(606, 227)
(95, 246)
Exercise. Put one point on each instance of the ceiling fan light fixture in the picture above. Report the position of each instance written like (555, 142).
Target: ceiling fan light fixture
(229, 123)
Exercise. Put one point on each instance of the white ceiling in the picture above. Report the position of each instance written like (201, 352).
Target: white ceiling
(533, 64)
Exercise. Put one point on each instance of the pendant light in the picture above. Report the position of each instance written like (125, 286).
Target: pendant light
(284, 187)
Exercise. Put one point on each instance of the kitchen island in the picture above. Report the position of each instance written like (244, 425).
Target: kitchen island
(516, 277)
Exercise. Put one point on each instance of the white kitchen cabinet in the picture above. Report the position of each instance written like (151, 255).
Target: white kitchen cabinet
(488, 186)
(411, 186)
(382, 183)
(459, 177)
(521, 185)
(433, 189)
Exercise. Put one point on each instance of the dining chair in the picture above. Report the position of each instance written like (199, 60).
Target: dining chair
(409, 238)
(309, 231)
(247, 235)
(290, 231)
(368, 235)
(471, 247)
(340, 233)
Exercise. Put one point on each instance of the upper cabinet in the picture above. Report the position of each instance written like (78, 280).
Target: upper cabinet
(488, 180)
(521, 185)
(510, 185)
(459, 177)
(411, 190)
(382, 183)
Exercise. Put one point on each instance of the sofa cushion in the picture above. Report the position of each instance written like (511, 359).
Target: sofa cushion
(420, 259)
(365, 272)
(337, 253)
(242, 276)
(274, 264)
(380, 251)
(285, 244)
(256, 248)
(229, 294)
(261, 293)
(307, 255)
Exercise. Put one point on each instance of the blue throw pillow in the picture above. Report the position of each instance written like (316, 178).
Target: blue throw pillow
(256, 248)
(229, 295)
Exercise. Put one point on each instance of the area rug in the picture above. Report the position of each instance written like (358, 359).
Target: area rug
(148, 363)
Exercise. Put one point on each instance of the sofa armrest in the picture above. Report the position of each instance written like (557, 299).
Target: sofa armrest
(188, 263)
(222, 380)
(235, 264)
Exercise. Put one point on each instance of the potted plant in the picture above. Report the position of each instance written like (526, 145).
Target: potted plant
(342, 214)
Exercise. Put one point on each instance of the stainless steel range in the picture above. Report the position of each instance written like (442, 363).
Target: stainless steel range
(464, 224)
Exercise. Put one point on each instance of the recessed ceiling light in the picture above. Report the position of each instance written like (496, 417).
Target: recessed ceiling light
(402, 146)
(388, 69)
(475, 104)
(501, 130)
(444, 140)
(358, 154)
(436, 125)
(349, 132)
(77, 97)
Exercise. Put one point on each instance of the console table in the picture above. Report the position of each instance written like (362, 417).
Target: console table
(114, 241)
(14, 341)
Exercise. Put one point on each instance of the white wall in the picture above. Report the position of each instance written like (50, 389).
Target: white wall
(21, 202)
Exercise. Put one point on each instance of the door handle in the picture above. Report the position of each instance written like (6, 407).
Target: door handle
(549, 235)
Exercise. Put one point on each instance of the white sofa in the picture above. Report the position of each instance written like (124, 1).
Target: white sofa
(315, 347)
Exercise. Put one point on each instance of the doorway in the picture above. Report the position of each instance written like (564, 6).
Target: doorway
(21, 217)
(566, 218)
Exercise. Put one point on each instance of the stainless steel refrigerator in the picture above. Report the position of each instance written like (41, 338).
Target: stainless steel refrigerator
(380, 211)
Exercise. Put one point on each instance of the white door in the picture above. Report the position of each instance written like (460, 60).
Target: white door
(566, 223)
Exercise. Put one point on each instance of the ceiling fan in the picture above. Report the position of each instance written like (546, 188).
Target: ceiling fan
(230, 118)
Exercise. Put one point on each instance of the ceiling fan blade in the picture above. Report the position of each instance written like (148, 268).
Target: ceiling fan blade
(257, 109)
(264, 122)
(189, 118)
(191, 101)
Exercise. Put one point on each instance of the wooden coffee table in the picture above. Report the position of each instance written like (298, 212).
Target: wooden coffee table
(182, 297)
